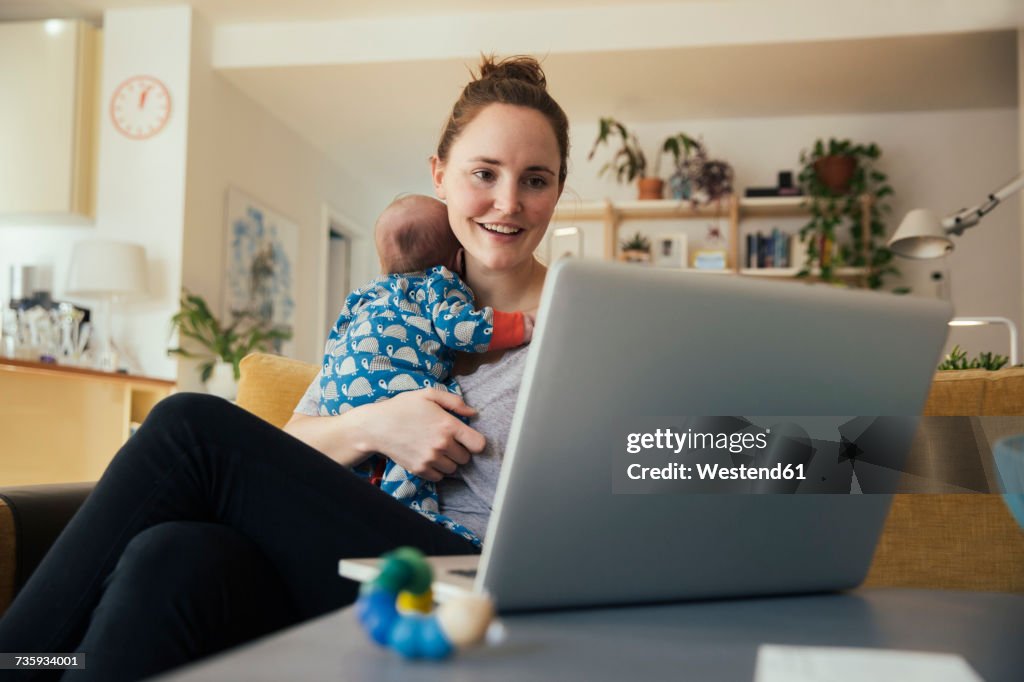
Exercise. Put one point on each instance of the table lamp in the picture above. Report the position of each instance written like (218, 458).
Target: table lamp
(107, 271)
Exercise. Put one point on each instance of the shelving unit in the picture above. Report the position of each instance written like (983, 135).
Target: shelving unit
(736, 209)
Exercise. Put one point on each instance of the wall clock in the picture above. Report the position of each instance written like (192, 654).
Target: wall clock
(140, 107)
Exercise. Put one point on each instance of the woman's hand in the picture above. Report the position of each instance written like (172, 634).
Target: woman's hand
(415, 428)
(418, 431)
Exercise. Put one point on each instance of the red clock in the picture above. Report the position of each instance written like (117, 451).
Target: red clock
(140, 107)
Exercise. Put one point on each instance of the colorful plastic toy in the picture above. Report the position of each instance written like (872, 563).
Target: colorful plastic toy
(395, 609)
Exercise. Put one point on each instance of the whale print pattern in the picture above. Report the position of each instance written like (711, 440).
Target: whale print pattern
(400, 333)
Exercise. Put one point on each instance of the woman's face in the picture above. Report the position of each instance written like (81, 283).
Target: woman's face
(501, 184)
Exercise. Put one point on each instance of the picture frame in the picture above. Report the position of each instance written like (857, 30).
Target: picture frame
(261, 258)
(669, 250)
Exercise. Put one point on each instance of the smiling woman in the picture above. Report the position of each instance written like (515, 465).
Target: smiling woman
(211, 527)
(501, 165)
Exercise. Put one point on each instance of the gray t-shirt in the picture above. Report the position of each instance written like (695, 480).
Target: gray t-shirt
(467, 495)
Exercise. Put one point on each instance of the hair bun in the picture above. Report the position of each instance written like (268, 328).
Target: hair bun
(520, 68)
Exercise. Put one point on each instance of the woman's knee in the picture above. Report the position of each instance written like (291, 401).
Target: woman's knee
(188, 408)
(180, 558)
(179, 563)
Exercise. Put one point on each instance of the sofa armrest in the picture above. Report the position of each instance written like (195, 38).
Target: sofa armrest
(31, 518)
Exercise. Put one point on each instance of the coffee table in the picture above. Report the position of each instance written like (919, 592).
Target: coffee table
(711, 640)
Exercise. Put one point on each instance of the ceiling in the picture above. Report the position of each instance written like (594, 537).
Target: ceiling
(362, 111)
(379, 116)
(259, 11)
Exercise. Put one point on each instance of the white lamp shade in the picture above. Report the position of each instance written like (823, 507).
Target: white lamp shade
(921, 235)
(106, 268)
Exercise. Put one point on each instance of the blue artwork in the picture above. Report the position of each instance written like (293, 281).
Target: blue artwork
(262, 250)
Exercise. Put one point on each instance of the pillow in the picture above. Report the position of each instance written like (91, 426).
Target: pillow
(270, 386)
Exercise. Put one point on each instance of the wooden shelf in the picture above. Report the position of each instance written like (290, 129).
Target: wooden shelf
(734, 208)
(773, 207)
(792, 272)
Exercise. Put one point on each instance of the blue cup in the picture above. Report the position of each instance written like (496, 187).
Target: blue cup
(1009, 456)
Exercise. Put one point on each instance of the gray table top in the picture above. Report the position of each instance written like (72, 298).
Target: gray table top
(713, 640)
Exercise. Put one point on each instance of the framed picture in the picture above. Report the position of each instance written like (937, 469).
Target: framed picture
(262, 254)
(669, 251)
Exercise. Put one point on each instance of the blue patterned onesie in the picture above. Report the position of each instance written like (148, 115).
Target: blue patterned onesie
(400, 332)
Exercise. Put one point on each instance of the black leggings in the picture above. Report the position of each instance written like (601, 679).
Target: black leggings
(209, 528)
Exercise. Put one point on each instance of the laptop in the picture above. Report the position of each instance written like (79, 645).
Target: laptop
(617, 345)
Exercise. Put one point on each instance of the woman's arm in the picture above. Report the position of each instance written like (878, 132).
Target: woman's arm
(416, 429)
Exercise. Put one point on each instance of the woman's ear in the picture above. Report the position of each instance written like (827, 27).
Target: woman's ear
(437, 176)
(460, 262)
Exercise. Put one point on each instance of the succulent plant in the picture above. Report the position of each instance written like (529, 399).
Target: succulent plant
(957, 359)
(637, 242)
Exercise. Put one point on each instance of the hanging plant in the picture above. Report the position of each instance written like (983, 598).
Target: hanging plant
(834, 177)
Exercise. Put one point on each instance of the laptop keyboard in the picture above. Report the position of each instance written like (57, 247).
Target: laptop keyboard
(464, 572)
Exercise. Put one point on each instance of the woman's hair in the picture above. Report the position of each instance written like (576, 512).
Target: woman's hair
(516, 80)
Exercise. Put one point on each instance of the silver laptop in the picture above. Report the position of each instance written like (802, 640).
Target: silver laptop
(616, 343)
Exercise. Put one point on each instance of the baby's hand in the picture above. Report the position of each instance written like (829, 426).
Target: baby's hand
(527, 327)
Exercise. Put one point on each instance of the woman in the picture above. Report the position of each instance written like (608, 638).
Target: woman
(211, 527)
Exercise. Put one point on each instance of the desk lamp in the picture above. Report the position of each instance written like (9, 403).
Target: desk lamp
(922, 235)
(107, 271)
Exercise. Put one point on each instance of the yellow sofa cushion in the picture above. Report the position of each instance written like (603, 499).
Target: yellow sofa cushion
(270, 386)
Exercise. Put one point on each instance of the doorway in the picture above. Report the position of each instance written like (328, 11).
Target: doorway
(347, 259)
(339, 272)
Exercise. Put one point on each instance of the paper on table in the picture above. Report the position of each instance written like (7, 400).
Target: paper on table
(778, 663)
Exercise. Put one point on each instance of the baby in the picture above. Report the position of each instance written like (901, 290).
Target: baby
(400, 332)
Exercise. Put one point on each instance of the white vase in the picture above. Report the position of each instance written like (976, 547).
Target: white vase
(222, 381)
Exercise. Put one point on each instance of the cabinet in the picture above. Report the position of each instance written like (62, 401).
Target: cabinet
(735, 210)
(48, 121)
(62, 424)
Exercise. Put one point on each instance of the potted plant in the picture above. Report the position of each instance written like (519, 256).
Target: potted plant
(225, 346)
(834, 197)
(683, 148)
(696, 177)
(629, 162)
(636, 249)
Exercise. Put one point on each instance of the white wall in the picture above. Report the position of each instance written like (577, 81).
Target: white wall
(1020, 152)
(940, 160)
(167, 192)
(234, 141)
(140, 185)
(142, 182)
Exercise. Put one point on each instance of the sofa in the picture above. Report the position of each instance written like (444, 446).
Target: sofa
(964, 541)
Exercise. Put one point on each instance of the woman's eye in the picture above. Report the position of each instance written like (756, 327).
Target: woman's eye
(537, 182)
(485, 175)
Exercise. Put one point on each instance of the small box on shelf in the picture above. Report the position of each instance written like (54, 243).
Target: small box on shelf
(710, 259)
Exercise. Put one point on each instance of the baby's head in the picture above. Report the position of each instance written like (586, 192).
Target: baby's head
(413, 234)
